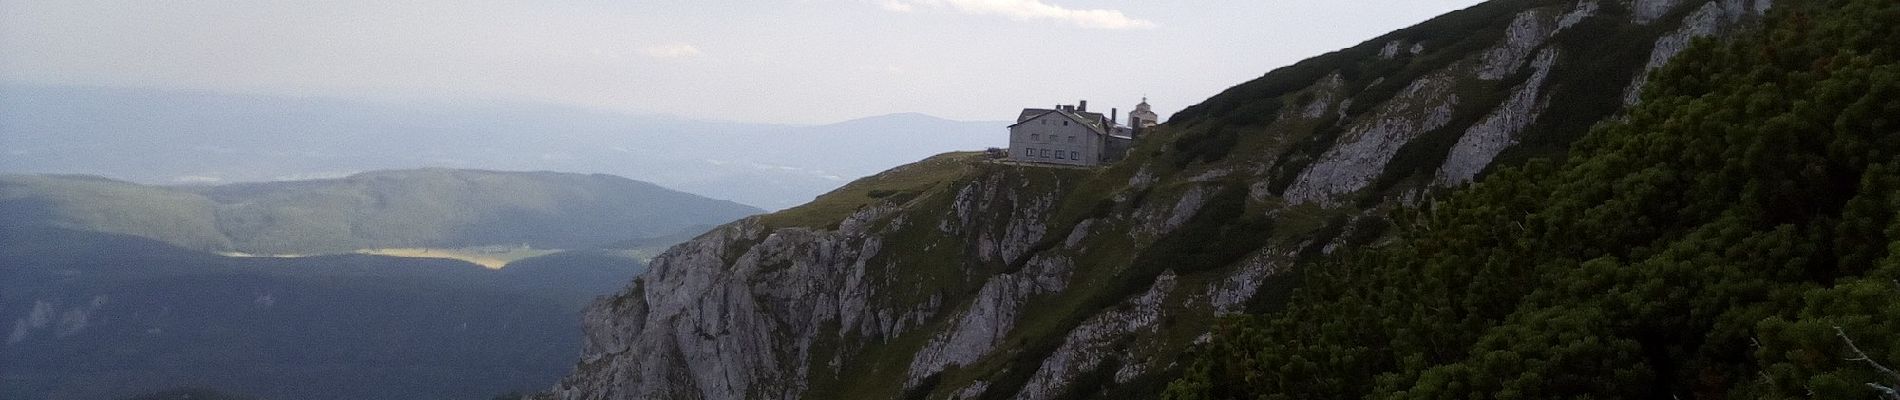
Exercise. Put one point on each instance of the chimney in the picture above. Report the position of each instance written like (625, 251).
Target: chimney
(1082, 105)
(1114, 114)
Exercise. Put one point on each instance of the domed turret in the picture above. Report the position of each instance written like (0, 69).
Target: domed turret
(1143, 116)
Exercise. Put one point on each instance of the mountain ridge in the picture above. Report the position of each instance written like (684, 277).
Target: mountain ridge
(382, 209)
(995, 281)
(160, 137)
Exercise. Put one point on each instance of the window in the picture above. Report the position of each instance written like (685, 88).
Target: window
(1065, 123)
(1027, 152)
(1035, 136)
(1075, 155)
(1045, 153)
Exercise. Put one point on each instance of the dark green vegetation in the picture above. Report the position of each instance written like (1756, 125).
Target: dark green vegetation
(1106, 278)
(1597, 56)
(1213, 128)
(1733, 238)
(389, 209)
(93, 315)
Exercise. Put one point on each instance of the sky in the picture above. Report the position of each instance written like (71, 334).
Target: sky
(769, 61)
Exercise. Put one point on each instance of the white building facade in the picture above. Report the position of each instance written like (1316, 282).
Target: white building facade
(1071, 135)
(1060, 136)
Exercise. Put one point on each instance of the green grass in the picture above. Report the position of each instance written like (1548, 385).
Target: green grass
(901, 183)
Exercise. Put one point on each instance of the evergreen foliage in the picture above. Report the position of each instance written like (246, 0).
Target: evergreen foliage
(1734, 237)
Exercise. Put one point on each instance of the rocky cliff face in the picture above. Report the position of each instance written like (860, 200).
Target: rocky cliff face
(959, 278)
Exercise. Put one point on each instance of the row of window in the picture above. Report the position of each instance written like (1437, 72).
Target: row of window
(1037, 137)
(1046, 153)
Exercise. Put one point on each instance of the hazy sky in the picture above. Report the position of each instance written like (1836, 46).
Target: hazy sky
(789, 61)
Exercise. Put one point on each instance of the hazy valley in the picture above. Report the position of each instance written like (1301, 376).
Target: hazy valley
(112, 289)
(175, 137)
(1519, 199)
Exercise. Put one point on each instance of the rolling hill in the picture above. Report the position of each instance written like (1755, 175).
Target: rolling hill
(424, 208)
(170, 137)
(110, 289)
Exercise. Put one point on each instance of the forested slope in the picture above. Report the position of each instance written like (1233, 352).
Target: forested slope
(1733, 237)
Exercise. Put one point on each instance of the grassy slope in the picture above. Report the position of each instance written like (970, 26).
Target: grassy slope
(897, 185)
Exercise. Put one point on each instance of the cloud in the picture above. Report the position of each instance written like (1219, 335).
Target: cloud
(671, 50)
(1026, 10)
(892, 69)
(895, 5)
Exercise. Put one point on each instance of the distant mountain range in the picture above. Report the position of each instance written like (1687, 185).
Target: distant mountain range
(169, 137)
(382, 209)
(108, 289)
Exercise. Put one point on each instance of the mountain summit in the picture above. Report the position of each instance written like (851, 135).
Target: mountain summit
(961, 278)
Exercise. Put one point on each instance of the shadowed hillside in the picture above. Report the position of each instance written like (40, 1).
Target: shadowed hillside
(91, 315)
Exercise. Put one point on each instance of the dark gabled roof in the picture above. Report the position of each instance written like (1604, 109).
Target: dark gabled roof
(1029, 113)
(1089, 119)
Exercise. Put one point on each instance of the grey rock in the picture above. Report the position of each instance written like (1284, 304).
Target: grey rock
(1645, 12)
(1527, 31)
(1584, 10)
(1708, 20)
(1087, 345)
(1498, 130)
(990, 317)
(1363, 151)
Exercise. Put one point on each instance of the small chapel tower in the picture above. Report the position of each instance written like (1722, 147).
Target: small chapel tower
(1143, 116)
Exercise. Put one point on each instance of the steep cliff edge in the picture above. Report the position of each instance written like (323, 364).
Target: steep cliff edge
(960, 278)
